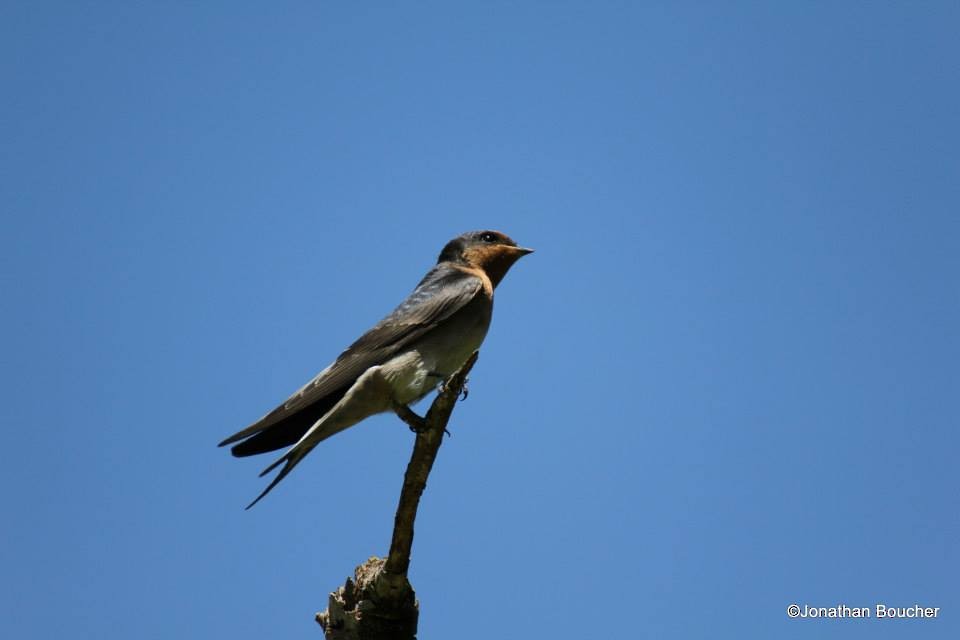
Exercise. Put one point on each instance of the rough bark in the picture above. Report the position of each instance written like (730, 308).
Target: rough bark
(379, 603)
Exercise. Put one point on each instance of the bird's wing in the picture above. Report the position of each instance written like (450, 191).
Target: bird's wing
(442, 292)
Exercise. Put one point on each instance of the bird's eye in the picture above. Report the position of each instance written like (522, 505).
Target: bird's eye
(488, 237)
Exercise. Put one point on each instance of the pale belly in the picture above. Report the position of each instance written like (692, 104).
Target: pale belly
(417, 372)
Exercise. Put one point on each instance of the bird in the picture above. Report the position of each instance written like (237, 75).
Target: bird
(396, 363)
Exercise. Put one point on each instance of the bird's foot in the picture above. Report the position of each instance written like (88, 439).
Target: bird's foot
(464, 391)
(417, 424)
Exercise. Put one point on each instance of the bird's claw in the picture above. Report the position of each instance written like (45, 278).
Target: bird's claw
(464, 390)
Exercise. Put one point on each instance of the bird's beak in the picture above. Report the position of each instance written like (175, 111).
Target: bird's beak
(523, 250)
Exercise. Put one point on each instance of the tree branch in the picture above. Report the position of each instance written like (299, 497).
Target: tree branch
(379, 603)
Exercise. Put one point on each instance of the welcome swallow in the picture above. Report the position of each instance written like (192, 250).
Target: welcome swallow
(397, 362)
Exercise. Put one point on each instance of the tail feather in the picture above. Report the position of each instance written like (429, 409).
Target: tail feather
(370, 394)
(291, 458)
(328, 425)
(278, 436)
(264, 435)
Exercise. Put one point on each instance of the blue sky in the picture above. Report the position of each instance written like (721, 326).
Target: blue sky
(725, 382)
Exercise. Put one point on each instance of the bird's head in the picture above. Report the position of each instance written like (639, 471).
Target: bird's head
(492, 251)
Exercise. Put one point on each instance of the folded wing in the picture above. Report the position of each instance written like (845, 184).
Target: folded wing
(441, 293)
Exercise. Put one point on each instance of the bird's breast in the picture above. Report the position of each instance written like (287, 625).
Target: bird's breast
(417, 371)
